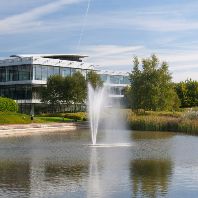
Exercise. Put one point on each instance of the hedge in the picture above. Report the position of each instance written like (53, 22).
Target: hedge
(7, 104)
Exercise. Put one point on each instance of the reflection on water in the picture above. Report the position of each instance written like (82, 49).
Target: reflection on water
(59, 171)
(63, 165)
(15, 176)
(151, 177)
(145, 135)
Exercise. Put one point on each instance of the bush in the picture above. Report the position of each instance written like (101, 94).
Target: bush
(82, 116)
(76, 116)
(7, 104)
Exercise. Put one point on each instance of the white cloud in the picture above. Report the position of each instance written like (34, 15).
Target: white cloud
(147, 19)
(182, 76)
(111, 55)
(30, 20)
(183, 65)
(128, 20)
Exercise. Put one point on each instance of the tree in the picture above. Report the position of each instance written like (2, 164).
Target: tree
(188, 93)
(79, 88)
(127, 100)
(151, 85)
(53, 93)
(94, 79)
(67, 90)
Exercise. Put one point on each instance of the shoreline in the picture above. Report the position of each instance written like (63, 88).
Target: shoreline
(10, 130)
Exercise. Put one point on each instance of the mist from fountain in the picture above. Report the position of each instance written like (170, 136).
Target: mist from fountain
(95, 103)
(112, 122)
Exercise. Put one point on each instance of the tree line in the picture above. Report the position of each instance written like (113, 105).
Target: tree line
(68, 90)
(152, 88)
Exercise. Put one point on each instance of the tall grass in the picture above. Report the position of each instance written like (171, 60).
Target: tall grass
(163, 121)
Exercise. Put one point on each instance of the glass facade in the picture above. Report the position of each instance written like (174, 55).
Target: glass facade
(65, 71)
(2, 74)
(116, 90)
(42, 72)
(118, 79)
(115, 79)
(16, 92)
(16, 73)
(104, 77)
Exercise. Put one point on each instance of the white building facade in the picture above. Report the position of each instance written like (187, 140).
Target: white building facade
(21, 76)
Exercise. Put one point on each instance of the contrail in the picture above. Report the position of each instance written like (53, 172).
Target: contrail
(84, 24)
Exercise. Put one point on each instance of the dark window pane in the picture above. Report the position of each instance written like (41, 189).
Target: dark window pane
(13, 73)
(24, 72)
(2, 74)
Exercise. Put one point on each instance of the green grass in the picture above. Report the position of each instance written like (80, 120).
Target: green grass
(17, 118)
(14, 118)
(53, 119)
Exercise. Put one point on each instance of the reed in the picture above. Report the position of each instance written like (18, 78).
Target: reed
(164, 121)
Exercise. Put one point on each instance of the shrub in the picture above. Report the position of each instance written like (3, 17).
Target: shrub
(7, 104)
(76, 116)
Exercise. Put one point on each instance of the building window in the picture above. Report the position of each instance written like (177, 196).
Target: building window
(126, 80)
(24, 72)
(104, 77)
(114, 79)
(50, 71)
(23, 92)
(65, 71)
(56, 71)
(2, 74)
(38, 72)
(44, 72)
(12, 73)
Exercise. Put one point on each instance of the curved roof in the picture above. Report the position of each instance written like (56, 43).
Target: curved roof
(74, 57)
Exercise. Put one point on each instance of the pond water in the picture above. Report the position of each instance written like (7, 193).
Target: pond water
(156, 164)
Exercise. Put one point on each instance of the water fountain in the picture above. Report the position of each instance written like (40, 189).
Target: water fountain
(95, 102)
(98, 99)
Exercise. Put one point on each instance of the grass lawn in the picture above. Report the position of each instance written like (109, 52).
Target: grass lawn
(53, 119)
(14, 118)
(18, 118)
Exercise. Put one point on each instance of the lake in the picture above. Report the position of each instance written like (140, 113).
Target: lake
(156, 164)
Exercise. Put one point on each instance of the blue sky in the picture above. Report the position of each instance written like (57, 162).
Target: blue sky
(115, 31)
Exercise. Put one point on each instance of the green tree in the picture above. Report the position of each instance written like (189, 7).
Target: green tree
(53, 93)
(127, 100)
(67, 90)
(152, 88)
(94, 79)
(188, 93)
(79, 88)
